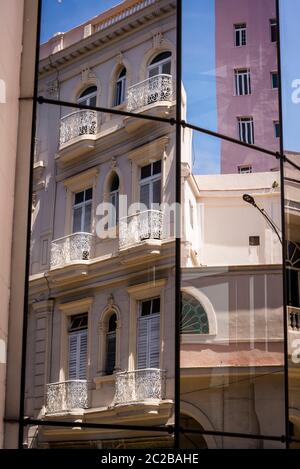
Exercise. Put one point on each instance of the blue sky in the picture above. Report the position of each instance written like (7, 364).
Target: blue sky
(198, 64)
(290, 58)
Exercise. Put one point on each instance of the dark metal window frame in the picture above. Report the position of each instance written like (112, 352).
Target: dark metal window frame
(176, 430)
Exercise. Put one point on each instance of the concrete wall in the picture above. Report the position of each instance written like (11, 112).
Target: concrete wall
(11, 27)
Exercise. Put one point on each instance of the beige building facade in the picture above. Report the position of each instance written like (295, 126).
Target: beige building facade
(101, 321)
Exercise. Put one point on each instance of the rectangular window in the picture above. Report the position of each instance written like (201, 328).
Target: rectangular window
(148, 343)
(276, 129)
(240, 38)
(242, 82)
(150, 184)
(82, 211)
(245, 169)
(273, 30)
(78, 346)
(246, 130)
(274, 80)
(254, 241)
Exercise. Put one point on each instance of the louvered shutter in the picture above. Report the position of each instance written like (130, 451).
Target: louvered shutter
(82, 355)
(72, 356)
(142, 345)
(154, 341)
(148, 342)
(77, 355)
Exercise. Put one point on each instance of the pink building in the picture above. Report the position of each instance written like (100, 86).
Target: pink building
(247, 82)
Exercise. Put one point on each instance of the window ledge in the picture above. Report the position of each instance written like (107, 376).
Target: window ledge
(197, 338)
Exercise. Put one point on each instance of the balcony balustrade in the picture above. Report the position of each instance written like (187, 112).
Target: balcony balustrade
(66, 396)
(140, 227)
(140, 385)
(294, 318)
(153, 90)
(77, 126)
(72, 248)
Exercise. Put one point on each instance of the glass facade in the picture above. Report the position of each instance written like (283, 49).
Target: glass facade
(164, 298)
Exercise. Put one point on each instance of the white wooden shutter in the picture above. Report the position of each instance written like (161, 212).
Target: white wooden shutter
(154, 341)
(148, 344)
(72, 356)
(142, 345)
(82, 355)
(77, 355)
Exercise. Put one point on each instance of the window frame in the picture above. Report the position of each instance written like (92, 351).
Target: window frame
(246, 121)
(274, 74)
(160, 65)
(244, 74)
(244, 167)
(122, 82)
(83, 205)
(150, 180)
(86, 100)
(273, 30)
(239, 31)
(66, 310)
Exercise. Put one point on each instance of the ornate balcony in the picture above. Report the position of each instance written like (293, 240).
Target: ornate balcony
(294, 318)
(140, 385)
(76, 247)
(66, 396)
(77, 124)
(78, 133)
(147, 225)
(157, 89)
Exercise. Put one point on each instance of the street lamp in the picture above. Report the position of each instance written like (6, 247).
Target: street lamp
(250, 200)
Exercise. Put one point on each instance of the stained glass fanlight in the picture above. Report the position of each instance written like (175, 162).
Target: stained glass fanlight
(193, 316)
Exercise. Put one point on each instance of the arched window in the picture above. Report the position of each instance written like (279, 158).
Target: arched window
(161, 64)
(111, 345)
(120, 87)
(88, 97)
(194, 319)
(114, 199)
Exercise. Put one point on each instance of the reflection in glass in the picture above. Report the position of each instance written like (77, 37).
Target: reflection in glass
(231, 77)
(101, 323)
(289, 32)
(232, 343)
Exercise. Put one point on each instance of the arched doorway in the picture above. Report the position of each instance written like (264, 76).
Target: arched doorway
(191, 440)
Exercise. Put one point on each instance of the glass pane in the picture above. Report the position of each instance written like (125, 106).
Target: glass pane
(232, 341)
(70, 27)
(157, 192)
(226, 45)
(77, 217)
(289, 32)
(87, 218)
(145, 194)
(131, 262)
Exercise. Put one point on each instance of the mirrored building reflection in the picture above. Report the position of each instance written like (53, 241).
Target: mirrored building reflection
(101, 325)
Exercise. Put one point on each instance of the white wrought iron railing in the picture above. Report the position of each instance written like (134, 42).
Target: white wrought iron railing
(139, 227)
(294, 318)
(78, 124)
(75, 247)
(153, 90)
(66, 396)
(140, 385)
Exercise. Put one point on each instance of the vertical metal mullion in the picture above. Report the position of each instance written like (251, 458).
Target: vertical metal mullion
(283, 230)
(178, 224)
(28, 241)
